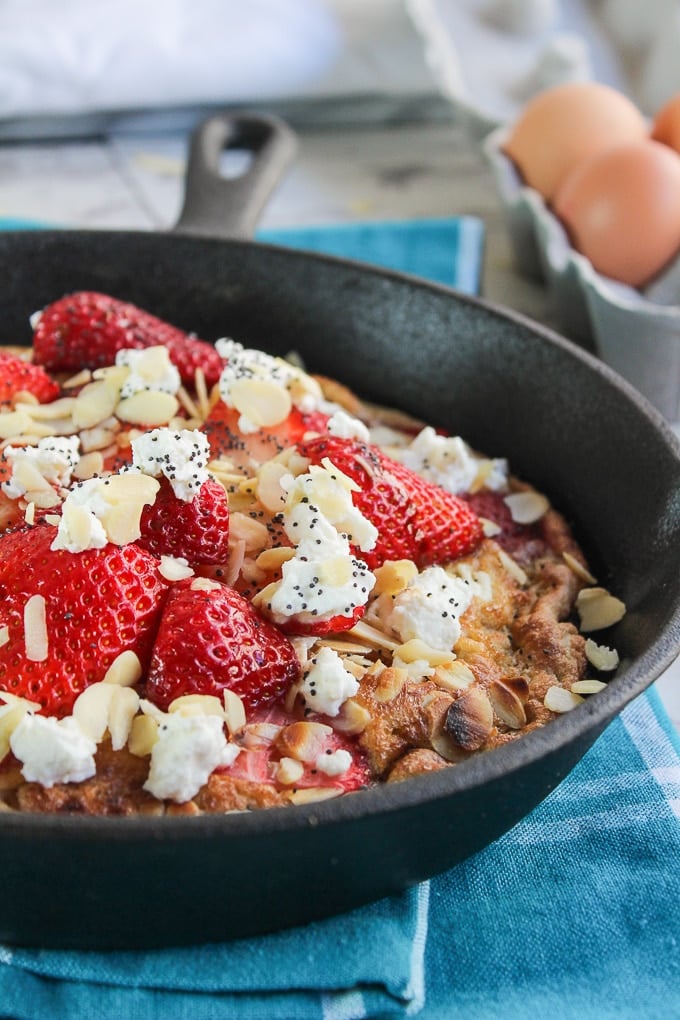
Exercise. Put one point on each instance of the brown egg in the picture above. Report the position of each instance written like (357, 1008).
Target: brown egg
(666, 123)
(564, 125)
(621, 209)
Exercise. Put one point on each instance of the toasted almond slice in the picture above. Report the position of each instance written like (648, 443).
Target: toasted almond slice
(560, 700)
(254, 533)
(125, 670)
(148, 407)
(91, 709)
(10, 717)
(512, 567)
(122, 712)
(394, 576)
(89, 465)
(262, 401)
(272, 559)
(234, 712)
(143, 735)
(259, 735)
(490, 528)
(415, 649)
(469, 720)
(268, 488)
(600, 656)
(372, 636)
(197, 704)
(390, 684)
(526, 507)
(455, 676)
(303, 740)
(598, 609)
(35, 629)
(353, 718)
(507, 705)
(289, 771)
(588, 686)
(581, 572)
(313, 794)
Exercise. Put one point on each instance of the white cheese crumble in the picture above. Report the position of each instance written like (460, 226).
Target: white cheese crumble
(188, 750)
(449, 462)
(150, 369)
(333, 763)
(345, 426)
(181, 455)
(247, 364)
(51, 462)
(101, 510)
(53, 750)
(324, 495)
(327, 684)
(430, 608)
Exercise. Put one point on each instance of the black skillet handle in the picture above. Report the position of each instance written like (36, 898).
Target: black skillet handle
(229, 207)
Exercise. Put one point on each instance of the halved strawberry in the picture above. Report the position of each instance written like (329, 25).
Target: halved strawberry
(210, 639)
(97, 604)
(415, 518)
(17, 375)
(87, 329)
(248, 450)
(197, 530)
(523, 541)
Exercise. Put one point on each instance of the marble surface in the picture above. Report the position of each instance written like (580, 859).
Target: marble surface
(394, 171)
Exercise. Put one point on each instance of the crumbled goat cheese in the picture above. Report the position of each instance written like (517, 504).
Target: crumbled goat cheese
(324, 494)
(333, 763)
(51, 462)
(101, 510)
(430, 608)
(327, 684)
(321, 581)
(188, 750)
(181, 455)
(150, 369)
(245, 363)
(345, 426)
(53, 750)
(449, 462)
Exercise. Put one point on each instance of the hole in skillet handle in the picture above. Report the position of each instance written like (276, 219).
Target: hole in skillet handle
(236, 160)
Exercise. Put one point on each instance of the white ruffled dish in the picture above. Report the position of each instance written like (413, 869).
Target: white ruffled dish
(637, 333)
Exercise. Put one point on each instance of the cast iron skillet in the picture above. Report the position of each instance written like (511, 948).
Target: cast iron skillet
(514, 389)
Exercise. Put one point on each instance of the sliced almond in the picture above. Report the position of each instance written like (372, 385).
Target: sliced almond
(314, 794)
(560, 700)
(390, 683)
(173, 568)
(271, 560)
(143, 735)
(469, 720)
(598, 609)
(260, 735)
(415, 649)
(148, 407)
(125, 670)
(122, 711)
(197, 704)
(91, 709)
(234, 712)
(95, 402)
(455, 676)
(289, 771)
(526, 507)
(10, 717)
(89, 465)
(353, 718)
(512, 567)
(578, 568)
(588, 686)
(35, 629)
(490, 528)
(264, 402)
(394, 576)
(268, 488)
(507, 705)
(303, 740)
(248, 530)
(600, 656)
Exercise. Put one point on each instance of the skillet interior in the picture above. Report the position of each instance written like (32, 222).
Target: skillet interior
(566, 422)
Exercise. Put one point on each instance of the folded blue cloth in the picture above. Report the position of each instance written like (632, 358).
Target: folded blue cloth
(575, 913)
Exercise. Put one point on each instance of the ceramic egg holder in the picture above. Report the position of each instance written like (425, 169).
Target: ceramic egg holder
(635, 332)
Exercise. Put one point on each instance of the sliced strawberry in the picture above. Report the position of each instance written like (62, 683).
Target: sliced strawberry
(357, 776)
(318, 628)
(98, 604)
(416, 519)
(17, 375)
(211, 639)
(197, 530)
(87, 329)
(248, 450)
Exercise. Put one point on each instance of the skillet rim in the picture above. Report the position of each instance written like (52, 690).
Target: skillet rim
(581, 723)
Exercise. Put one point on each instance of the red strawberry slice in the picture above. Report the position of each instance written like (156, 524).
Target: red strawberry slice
(98, 604)
(248, 450)
(197, 530)
(357, 776)
(87, 329)
(211, 639)
(17, 375)
(416, 519)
